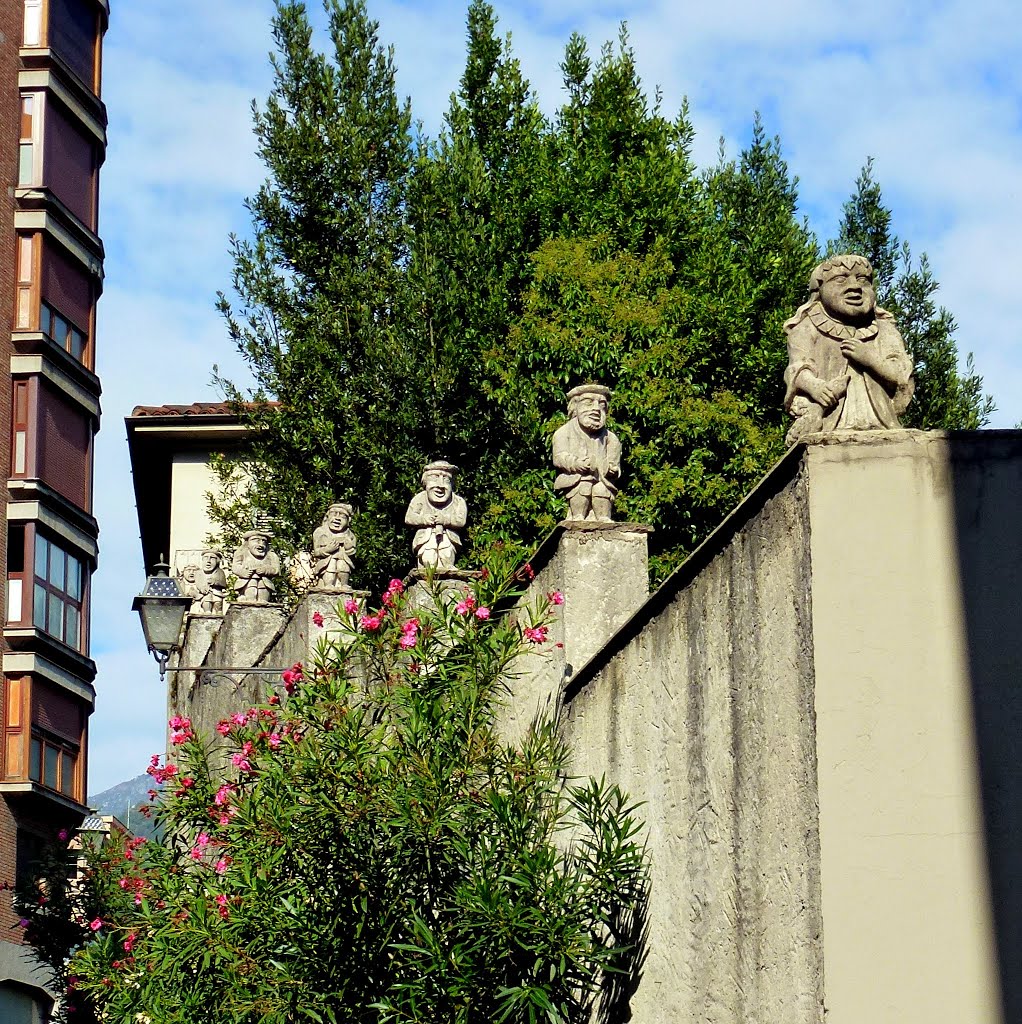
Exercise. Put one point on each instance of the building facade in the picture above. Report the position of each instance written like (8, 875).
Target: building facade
(52, 144)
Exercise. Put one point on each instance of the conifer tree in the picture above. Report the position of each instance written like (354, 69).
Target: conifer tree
(321, 292)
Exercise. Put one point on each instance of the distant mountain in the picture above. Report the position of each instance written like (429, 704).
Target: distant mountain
(124, 800)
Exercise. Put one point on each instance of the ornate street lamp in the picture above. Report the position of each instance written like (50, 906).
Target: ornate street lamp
(161, 606)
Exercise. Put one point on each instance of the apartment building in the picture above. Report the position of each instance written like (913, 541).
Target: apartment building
(52, 144)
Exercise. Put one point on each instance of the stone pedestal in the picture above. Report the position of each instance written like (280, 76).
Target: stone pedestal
(602, 571)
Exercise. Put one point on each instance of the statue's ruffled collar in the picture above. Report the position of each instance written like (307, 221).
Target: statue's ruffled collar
(827, 325)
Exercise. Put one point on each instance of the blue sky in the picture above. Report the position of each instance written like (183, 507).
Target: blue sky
(932, 89)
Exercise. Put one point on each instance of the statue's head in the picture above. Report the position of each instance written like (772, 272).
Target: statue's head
(190, 573)
(337, 517)
(438, 482)
(588, 403)
(844, 285)
(210, 561)
(257, 542)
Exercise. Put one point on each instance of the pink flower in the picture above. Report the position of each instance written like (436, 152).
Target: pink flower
(408, 641)
(317, 619)
(129, 942)
(221, 900)
(535, 634)
(177, 722)
(395, 587)
(528, 572)
(179, 736)
(62, 835)
(370, 622)
(239, 718)
(23, 922)
(273, 740)
(223, 794)
(556, 597)
(222, 865)
(223, 727)
(483, 612)
(241, 762)
(351, 606)
(466, 605)
(96, 924)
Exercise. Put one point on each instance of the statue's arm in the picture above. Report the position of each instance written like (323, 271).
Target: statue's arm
(613, 455)
(565, 456)
(416, 514)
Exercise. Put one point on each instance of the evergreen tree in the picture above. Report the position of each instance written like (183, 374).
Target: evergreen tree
(321, 291)
(946, 398)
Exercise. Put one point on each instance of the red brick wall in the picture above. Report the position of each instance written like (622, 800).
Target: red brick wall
(69, 161)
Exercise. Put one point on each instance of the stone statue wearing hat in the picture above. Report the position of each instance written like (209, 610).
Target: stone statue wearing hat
(255, 567)
(587, 455)
(437, 513)
(333, 545)
(847, 364)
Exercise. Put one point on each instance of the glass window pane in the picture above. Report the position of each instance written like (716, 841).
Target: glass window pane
(41, 547)
(20, 439)
(59, 331)
(25, 154)
(35, 761)
(55, 625)
(39, 607)
(74, 576)
(67, 773)
(77, 344)
(56, 576)
(71, 637)
(44, 318)
(51, 757)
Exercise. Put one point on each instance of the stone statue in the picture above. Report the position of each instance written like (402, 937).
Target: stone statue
(333, 545)
(437, 513)
(212, 583)
(847, 364)
(255, 567)
(587, 455)
(191, 587)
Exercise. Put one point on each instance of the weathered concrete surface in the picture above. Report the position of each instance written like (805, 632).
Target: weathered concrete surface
(601, 568)
(702, 708)
(917, 577)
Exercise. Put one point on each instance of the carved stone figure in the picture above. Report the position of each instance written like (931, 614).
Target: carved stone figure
(847, 364)
(212, 582)
(191, 587)
(255, 567)
(437, 513)
(587, 455)
(333, 545)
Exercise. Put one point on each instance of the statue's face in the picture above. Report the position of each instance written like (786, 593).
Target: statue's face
(438, 488)
(336, 521)
(189, 573)
(592, 412)
(209, 562)
(849, 294)
(258, 546)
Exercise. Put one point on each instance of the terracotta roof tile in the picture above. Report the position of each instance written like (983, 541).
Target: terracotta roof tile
(195, 409)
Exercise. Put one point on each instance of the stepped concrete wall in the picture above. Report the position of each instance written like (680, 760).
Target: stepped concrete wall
(821, 711)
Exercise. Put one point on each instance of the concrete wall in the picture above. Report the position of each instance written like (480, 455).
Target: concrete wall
(702, 708)
(822, 712)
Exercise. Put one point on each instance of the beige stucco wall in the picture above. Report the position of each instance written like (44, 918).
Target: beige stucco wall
(192, 481)
(907, 903)
(703, 710)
